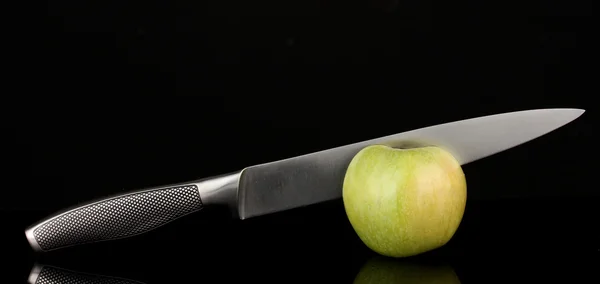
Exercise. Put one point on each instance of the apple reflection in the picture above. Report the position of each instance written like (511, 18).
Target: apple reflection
(383, 270)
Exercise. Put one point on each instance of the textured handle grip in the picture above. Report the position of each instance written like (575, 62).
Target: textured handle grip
(54, 275)
(114, 218)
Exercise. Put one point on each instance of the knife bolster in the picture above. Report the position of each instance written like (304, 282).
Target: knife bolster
(220, 191)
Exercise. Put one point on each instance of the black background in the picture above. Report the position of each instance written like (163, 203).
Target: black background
(113, 96)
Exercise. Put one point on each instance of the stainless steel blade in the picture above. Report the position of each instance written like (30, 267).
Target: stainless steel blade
(318, 177)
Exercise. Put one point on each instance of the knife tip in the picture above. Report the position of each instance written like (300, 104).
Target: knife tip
(575, 113)
(572, 112)
(579, 111)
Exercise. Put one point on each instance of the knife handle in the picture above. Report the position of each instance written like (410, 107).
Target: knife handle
(55, 275)
(130, 214)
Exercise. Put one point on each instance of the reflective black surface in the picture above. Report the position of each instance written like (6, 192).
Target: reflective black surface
(116, 96)
(498, 241)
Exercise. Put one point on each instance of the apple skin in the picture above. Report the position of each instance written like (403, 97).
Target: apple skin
(383, 270)
(404, 202)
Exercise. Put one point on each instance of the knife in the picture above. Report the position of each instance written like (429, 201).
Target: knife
(45, 274)
(281, 185)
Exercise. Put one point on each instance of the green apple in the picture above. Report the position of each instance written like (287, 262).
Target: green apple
(385, 270)
(404, 202)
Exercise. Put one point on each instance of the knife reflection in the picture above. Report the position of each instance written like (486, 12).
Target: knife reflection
(45, 274)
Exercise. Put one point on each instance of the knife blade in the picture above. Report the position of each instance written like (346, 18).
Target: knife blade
(281, 185)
